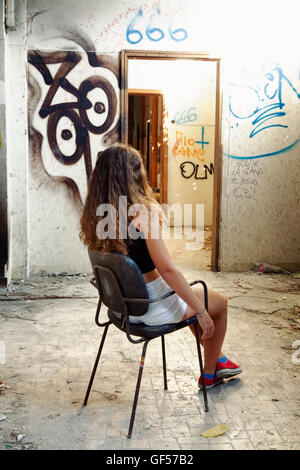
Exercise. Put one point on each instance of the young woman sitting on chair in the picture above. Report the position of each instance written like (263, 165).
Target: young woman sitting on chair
(118, 187)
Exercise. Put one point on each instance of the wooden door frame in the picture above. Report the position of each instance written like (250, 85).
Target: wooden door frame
(217, 182)
(163, 161)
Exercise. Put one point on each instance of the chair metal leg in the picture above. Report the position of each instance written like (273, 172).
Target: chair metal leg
(95, 365)
(164, 362)
(137, 388)
(201, 367)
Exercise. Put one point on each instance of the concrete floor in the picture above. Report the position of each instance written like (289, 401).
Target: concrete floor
(47, 327)
(186, 259)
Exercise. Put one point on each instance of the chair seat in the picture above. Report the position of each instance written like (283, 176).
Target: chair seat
(140, 329)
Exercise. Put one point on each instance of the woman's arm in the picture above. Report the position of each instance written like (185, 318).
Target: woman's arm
(178, 283)
(171, 274)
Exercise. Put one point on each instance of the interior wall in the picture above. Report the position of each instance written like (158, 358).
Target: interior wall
(3, 166)
(261, 167)
(65, 139)
(189, 90)
(260, 133)
(16, 144)
(191, 117)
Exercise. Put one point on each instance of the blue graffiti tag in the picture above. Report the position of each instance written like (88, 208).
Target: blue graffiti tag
(264, 117)
(151, 33)
(202, 142)
(185, 116)
(130, 31)
(134, 36)
(178, 34)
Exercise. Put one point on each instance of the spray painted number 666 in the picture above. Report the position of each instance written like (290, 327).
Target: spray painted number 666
(134, 36)
(185, 116)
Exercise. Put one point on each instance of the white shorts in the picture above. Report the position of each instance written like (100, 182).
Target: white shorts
(169, 310)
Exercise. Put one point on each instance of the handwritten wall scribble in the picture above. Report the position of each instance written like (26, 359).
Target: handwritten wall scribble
(245, 176)
(154, 34)
(260, 108)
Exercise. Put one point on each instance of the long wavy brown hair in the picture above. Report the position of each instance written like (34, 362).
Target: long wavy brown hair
(119, 171)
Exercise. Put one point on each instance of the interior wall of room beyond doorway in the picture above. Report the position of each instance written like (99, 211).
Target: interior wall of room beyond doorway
(190, 125)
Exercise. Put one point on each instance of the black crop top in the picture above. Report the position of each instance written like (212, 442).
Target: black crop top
(138, 251)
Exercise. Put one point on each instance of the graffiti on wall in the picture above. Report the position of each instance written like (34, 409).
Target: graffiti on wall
(245, 176)
(185, 116)
(148, 24)
(135, 35)
(261, 109)
(189, 169)
(77, 111)
(187, 146)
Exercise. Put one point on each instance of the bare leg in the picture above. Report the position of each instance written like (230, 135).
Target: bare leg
(217, 309)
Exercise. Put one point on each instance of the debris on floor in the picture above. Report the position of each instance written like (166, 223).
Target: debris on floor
(215, 431)
(268, 268)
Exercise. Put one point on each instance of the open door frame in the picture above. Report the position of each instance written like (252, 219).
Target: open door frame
(160, 146)
(217, 184)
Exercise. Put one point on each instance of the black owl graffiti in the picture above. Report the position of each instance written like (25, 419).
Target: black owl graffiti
(77, 110)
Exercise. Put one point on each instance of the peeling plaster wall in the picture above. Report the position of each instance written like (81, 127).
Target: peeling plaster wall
(260, 120)
(261, 166)
(16, 144)
(189, 103)
(3, 167)
(63, 149)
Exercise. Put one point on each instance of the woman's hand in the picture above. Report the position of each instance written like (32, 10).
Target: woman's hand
(207, 325)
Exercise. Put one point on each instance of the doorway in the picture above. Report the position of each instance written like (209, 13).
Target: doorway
(170, 110)
(146, 133)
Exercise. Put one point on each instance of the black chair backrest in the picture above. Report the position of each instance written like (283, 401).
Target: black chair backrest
(117, 276)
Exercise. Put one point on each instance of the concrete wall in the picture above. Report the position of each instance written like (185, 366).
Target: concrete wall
(63, 150)
(260, 188)
(192, 144)
(189, 90)
(261, 167)
(17, 143)
(3, 167)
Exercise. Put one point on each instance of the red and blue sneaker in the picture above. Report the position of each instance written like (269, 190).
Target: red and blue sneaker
(226, 368)
(210, 381)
